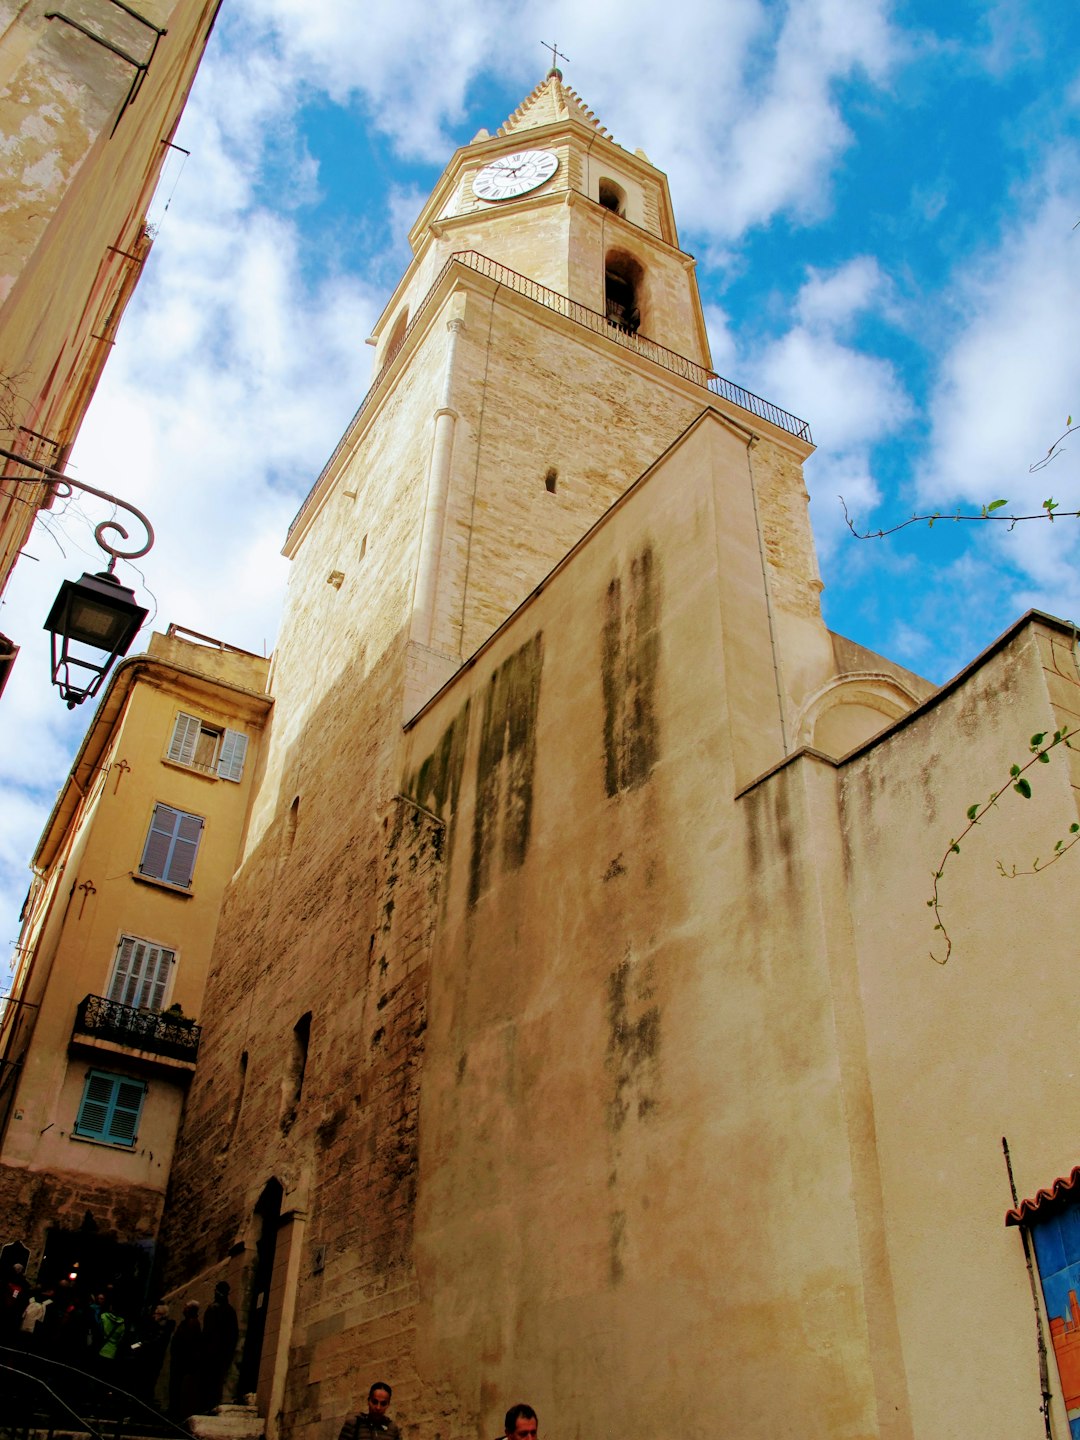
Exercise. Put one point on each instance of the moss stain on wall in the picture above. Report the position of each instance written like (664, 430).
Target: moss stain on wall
(630, 657)
(505, 765)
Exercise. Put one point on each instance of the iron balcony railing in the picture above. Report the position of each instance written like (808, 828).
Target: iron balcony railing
(591, 320)
(161, 1034)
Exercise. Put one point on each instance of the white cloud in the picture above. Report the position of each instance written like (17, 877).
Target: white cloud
(230, 383)
(833, 299)
(854, 399)
(758, 83)
(1005, 388)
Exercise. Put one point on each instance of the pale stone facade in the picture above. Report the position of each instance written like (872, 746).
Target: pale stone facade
(90, 96)
(109, 946)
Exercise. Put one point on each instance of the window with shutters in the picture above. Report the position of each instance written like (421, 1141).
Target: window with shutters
(110, 1108)
(207, 748)
(141, 973)
(171, 846)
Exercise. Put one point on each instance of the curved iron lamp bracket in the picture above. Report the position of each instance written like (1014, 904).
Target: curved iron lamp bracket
(65, 484)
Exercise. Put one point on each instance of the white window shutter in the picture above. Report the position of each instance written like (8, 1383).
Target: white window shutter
(185, 737)
(155, 978)
(141, 974)
(122, 971)
(230, 764)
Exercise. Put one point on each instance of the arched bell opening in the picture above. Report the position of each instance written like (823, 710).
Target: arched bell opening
(623, 291)
(612, 196)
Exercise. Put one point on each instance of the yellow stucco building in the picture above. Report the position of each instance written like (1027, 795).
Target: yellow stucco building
(571, 1032)
(100, 1042)
(90, 96)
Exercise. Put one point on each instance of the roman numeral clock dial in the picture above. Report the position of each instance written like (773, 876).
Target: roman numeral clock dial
(513, 175)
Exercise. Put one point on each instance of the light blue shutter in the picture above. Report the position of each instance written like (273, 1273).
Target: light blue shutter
(185, 737)
(127, 1105)
(93, 1118)
(230, 764)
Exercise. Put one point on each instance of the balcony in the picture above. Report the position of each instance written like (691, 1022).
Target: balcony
(172, 1036)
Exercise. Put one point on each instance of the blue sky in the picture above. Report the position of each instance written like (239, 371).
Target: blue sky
(881, 198)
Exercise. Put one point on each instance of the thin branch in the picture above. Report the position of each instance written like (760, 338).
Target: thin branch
(1040, 754)
(1055, 448)
(1049, 511)
(1062, 847)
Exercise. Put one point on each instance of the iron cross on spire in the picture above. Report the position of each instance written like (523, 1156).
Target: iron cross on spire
(554, 62)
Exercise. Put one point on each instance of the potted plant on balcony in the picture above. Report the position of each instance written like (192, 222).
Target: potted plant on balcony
(175, 1016)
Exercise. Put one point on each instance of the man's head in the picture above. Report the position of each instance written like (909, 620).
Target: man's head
(521, 1423)
(378, 1398)
(221, 1291)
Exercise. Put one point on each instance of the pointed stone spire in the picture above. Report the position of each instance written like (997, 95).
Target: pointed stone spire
(551, 101)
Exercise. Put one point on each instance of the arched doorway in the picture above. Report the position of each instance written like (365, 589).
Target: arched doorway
(268, 1214)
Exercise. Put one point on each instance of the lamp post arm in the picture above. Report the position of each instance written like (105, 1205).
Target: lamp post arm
(59, 479)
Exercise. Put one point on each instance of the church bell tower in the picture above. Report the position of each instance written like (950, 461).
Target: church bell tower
(544, 345)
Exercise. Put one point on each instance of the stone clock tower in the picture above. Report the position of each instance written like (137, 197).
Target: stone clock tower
(553, 606)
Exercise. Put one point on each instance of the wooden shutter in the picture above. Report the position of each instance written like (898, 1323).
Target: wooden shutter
(181, 865)
(122, 978)
(163, 825)
(171, 846)
(185, 737)
(110, 1109)
(141, 974)
(93, 1118)
(155, 978)
(230, 764)
(127, 1105)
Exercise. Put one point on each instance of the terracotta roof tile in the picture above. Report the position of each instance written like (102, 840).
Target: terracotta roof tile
(1046, 1201)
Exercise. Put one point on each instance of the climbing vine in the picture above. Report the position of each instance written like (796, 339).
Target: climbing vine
(1040, 745)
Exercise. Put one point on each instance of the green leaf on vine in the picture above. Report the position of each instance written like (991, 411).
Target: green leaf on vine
(1023, 787)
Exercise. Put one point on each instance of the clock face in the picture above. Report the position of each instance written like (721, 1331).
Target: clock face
(516, 174)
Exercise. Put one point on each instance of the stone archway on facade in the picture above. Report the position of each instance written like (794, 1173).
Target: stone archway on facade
(851, 710)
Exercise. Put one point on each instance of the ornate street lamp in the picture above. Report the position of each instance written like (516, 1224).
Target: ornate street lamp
(93, 620)
(99, 616)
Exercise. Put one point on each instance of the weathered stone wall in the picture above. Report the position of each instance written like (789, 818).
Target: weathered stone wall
(32, 1201)
(630, 1076)
(961, 1054)
(80, 170)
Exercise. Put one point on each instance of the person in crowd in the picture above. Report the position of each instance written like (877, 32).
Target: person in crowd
(220, 1331)
(34, 1325)
(14, 1298)
(71, 1326)
(375, 1424)
(154, 1336)
(111, 1330)
(186, 1365)
(521, 1423)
